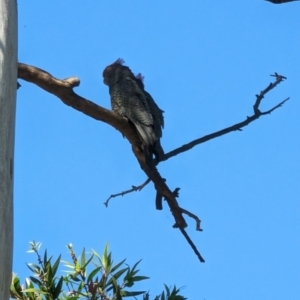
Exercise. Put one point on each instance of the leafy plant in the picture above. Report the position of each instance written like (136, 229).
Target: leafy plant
(89, 277)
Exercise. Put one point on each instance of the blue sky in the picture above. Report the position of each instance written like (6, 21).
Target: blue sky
(203, 63)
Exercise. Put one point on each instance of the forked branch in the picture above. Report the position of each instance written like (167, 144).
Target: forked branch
(134, 188)
(236, 127)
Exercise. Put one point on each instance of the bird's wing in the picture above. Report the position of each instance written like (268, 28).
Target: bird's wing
(155, 110)
(129, 101)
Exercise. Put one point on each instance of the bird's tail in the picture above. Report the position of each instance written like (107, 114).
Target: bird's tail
(147, 134)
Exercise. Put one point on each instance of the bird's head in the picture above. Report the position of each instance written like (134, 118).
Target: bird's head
(112, 72)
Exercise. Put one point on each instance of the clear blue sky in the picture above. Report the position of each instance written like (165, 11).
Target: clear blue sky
(203, 63)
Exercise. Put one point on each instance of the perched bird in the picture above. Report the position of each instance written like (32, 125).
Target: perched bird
(280, 1)
(128, 100)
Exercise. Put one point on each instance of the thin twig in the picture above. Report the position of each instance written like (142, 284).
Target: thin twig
(133, 189)
(268, 112)
(190, 242)
(279, 78)
(236, 127)
(191, 215)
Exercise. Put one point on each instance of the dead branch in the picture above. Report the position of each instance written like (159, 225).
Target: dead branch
(158, 197)
(63, 89)
(236, 127)
(198, 221)
(161, 187)
(190, 242)
(134, 188)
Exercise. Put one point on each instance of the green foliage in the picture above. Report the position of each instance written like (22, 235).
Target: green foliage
(170, 295)
(89, 277)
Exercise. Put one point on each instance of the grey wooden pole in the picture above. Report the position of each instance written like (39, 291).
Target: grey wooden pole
(8, 84)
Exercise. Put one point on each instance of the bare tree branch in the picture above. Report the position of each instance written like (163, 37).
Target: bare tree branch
(134, 188)
(63, 89)
(257, 113)
(190, 242)
(279, 78)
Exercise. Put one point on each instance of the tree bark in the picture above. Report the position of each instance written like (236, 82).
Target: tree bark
(8, 86)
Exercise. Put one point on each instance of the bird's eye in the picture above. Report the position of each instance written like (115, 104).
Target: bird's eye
(107, 71)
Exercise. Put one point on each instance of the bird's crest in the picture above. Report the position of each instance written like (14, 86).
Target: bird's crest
(110, 68)
(119, 61)
(140, 77)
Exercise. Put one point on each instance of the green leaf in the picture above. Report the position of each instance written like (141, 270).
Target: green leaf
(131, 294)
(15, 282)
(93, 273)
(104, 259)
(89, 260)
(15, 287)
(32, 290)
(49, 273)
(114, 268)
(45, 256)
(35, 246)
(119, 273)
(172, 295)
(135, 265)
(55, 266)
(139, 278)
(28, 283)
(117, 291)
(167, 289)
(58, 288)
(30, 296)
(77, 266)
(34, 268)
(114, 277)
(35, 280)
(68, 264)
(80, 286)
(146, 296)
(96, 254)
(74, 277)
(82, 258)
(129, 277)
